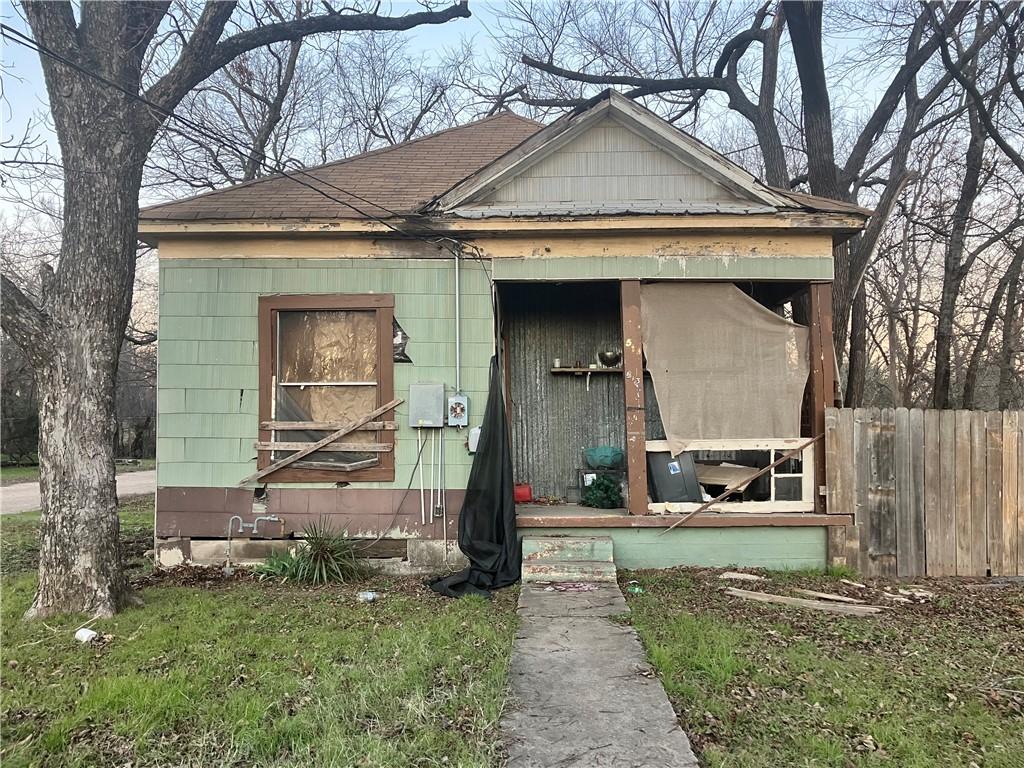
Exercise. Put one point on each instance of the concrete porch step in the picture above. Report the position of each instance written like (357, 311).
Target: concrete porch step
(567, 548)
(568, 570)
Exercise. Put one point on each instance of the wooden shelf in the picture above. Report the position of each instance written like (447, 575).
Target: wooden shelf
(581, 371)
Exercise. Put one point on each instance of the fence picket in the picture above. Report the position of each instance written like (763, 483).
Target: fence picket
(861, 466)
(903, 509)
(945, 524)
(915, 556)
(963, 493)
(979, 490)
(1011, 449)
(932, 473)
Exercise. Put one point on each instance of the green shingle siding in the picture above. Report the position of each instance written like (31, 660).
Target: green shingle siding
(208, 354)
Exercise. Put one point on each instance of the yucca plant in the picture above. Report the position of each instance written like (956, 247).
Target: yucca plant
(328, 556)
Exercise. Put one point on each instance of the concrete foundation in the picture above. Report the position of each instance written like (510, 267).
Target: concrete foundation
(423, 556)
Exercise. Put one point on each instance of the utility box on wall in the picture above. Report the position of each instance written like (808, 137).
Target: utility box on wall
(426, 405)
(458, 410)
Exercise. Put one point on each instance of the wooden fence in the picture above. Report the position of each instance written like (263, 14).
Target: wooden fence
(936, 493)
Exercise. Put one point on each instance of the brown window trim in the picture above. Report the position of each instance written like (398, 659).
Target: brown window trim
(269, 306)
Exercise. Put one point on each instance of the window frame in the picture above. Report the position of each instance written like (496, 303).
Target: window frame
(383, 304)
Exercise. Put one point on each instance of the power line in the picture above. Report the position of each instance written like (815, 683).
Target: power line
(20, 38)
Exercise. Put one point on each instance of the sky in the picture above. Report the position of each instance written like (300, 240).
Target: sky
(25, 92)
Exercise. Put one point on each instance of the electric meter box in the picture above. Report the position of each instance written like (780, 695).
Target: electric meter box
(458, 411)
(426, 405)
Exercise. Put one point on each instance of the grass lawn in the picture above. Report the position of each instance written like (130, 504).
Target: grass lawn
(11, 474)
(218, 671)
(935, 683)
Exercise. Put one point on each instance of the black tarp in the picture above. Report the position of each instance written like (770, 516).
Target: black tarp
(487, 522)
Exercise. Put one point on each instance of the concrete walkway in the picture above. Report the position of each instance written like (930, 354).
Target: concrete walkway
(24, 497)
(582, 691)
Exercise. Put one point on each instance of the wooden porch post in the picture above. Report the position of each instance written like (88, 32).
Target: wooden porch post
(823, 376)
(633, 384)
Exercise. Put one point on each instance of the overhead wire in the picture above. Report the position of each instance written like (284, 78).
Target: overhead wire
(452, 244)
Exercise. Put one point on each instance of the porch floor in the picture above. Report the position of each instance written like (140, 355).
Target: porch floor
(566, 510)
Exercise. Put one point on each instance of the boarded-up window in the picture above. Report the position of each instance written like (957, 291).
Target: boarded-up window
(328, 361)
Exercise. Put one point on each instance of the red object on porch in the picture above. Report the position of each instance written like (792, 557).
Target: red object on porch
(522, 493)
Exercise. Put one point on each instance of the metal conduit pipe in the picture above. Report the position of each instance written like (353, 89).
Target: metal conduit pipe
(457, 251)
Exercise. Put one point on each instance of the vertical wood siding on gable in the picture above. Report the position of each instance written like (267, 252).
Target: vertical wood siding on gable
(609, 163)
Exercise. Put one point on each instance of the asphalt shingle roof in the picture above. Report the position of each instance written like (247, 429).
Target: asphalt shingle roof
(392, 181)
(395, 180)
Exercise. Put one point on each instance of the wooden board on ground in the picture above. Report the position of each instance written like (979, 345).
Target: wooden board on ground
(829, 596)
(736, 576)
(799, 602)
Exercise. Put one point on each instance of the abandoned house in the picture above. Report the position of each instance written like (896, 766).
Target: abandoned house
(662, 320)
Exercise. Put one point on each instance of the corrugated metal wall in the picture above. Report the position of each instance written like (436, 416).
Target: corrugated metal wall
(555, 416)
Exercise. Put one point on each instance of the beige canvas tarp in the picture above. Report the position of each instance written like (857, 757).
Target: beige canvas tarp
(723, 365)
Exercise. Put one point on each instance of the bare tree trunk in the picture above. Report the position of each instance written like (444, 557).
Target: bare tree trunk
(1012, 327)
(79, 562)
(954, 270)
(857, 373)
(974, 361)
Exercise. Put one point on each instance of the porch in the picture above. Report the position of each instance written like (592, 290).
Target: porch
(562, 398)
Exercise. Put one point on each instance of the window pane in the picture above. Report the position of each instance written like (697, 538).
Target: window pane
(328, 345)
(789, 489)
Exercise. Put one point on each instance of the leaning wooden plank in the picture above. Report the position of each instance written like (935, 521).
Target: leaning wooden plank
(329, 426)
(313, 447)
(799, 602)
(337, 447)
(829, 596)
(765, 470)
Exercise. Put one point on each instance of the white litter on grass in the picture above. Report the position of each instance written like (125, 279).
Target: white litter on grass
(737, 576)
(86, 635)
